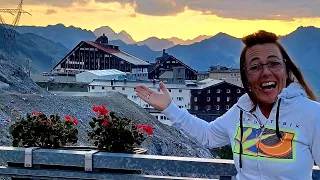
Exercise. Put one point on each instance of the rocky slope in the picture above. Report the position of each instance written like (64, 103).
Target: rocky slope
(165, 141)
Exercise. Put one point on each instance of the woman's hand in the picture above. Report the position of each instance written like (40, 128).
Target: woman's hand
(156, 100)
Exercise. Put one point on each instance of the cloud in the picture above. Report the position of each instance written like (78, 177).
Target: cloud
(56, 3)
(84, 9)
(244, 9)
(237, 9)
(50, 11)
(133, 15)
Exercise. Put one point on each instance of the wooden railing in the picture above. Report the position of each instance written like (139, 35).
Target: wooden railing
(80, 164)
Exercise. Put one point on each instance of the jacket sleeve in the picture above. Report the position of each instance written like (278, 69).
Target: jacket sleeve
(211, 135)
(315, 144)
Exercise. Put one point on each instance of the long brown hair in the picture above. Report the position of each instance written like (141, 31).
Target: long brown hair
(262, 37)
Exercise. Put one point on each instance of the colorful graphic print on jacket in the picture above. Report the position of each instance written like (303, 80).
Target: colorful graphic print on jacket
(268, 147)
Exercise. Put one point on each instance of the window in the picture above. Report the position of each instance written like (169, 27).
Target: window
(217, 107)
(199, 92)
(113, 88)
(208, 99)
(228, 91)
(238, 91)
(208, 91)
(179, 98)
(218, 90)
(180, 90)
(195, 99)
(227, 107)
(134, 97)
(180, 107)
(102, 87)
(208, 107)
(195, 107)
(228, 99)
(92, 87)
(169, 90)
(123, 88)
(218, 99)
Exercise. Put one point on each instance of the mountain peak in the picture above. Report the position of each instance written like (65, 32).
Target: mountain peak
(306, 29)
(126, 37)
(124, 33)
(104, 29)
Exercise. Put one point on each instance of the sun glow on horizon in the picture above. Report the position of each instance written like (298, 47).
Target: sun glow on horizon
(186, 25)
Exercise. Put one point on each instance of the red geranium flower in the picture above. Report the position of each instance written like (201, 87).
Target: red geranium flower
(71, 119)
(95, 108)
(146, 128)
(75, 121)
(34, 112)
(67, 118)
(102, 110)
(105, 122)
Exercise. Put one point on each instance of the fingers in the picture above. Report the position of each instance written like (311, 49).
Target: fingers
(143, 97)
(144, 89)
(163, 88)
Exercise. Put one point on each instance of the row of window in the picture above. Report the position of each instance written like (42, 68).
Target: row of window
(105, 88)
(195, 99)
(209, 107)
(144, 75)
(161, 117)
(219, 91)
(235, 74)
(123, 88)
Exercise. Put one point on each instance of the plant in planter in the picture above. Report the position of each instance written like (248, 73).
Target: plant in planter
(37, 130)
(115, 134)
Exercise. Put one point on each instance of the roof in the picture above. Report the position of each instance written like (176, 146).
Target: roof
(106, 72)
(223, 69)
(226, 71)
(119, 53)
(170, 85)
(167, 75)
(150, 84)
(208, 83)
(202, 72)
(165, 58)
(213, 82)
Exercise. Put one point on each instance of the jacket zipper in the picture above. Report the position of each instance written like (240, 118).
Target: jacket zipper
(262, 128)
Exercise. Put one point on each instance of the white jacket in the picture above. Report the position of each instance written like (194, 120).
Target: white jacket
(264, 156)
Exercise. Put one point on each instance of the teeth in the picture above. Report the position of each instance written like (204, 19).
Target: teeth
(268, 84)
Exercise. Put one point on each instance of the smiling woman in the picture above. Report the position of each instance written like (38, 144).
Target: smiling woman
(273, 129)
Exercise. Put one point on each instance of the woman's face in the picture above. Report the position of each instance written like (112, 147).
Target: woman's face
(265, 71)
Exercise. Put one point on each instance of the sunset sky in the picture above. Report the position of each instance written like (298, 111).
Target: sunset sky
(185, 19)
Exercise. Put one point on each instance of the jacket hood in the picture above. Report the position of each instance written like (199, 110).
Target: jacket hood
(288, 96)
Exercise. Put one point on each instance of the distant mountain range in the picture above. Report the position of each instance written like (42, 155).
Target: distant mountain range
(40, 50)
(67, 36)
(153, 43)
(303, 45)
(123, 35)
